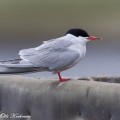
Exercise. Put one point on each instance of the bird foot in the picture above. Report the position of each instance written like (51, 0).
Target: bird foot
(64, 79)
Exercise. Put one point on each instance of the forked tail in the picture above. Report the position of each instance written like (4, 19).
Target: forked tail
(16, 66)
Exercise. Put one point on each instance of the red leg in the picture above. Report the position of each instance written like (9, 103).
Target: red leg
(62, 79)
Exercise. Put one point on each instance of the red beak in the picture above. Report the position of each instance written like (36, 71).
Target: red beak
(94, 38)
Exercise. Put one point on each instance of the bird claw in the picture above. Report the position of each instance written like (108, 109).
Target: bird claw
(64, 79)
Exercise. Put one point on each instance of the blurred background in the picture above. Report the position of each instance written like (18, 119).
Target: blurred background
(26, 23)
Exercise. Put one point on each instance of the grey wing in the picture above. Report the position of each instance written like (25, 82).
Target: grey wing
(51, 45)
(54, 55)
(56, 60)
(65, 60)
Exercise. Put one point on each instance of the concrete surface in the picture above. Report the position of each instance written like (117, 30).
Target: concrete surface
(51, 100)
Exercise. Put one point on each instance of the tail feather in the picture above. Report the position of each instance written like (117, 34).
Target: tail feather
(16, 63)
(15, 66)
(19, 66)
(16, 70)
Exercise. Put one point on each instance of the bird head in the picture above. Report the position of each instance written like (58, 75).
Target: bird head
(82, 33)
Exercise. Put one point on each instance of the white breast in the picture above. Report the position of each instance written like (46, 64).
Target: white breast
(80, 48)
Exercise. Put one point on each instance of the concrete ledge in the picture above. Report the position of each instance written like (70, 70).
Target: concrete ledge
(51, 100)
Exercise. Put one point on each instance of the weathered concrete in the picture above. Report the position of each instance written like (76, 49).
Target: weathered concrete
(52, 100)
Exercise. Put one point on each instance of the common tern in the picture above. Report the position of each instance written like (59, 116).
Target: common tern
(55, 55)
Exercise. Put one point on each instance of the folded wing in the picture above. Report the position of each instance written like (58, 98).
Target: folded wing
(54, 55)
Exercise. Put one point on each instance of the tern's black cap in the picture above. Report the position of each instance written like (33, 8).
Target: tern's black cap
(78, 32)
